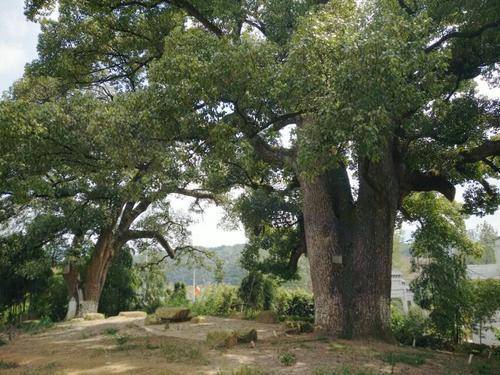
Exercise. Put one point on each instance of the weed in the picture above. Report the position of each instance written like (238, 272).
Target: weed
(336, 346)
(34, 327)
(121, 339)
(244, 370)
(182, 352)
(412, 359)
(4, 365)
(288, 359)
(342, 371)
(151, 346)
(111, 331)
(482, 368)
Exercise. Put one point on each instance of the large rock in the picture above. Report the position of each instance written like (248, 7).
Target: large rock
(173, 314)
(93, 316)
(133, 314)
(267, 316)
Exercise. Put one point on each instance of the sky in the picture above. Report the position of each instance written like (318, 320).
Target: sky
(18, 39)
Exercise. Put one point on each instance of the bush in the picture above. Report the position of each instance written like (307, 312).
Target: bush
(296, 304)
(178, 297)
(118, 293)
(53, 301)
(257, 291)
(217, 300)
(409, 327)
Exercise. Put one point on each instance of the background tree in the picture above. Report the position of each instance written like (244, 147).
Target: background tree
(485, 302)
(439, 252)
(486, 235)
(381, 87)
(81, 165)
(219, 271)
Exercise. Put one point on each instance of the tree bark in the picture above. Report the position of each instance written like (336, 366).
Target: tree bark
(349, 246)
(96, 272)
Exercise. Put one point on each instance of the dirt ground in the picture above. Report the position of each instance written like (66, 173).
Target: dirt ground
(120, 345)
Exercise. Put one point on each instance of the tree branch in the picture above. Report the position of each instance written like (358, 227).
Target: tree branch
(462, 34)
(488, 148)
(419, 181)
(131, 235)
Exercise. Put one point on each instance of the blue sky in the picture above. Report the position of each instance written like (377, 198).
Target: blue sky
(18, 39)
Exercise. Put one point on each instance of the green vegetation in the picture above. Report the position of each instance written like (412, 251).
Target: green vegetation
(6, 365)
(287, 359)
(183, 352)
(412, 359)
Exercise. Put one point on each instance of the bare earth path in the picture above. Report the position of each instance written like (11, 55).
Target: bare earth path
(121, 345)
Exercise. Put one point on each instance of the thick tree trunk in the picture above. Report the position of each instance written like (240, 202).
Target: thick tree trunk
(350, 249)
(96, 272)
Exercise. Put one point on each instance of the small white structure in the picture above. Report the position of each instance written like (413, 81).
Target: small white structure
(401, 290)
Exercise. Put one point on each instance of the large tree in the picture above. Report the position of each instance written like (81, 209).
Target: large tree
(81, 176)
(382, 88)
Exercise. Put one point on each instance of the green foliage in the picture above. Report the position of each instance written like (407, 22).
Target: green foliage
(411, 327)
(257, 291)
(119, 293)
(34, 327)
(6, 365)
(151, 287)
(486, 236)
(24, 271)
(485, 302)
(412, 359)
(178, 296)
(296, 304)
(219, 271)
(287, 359)
(217, 300)
(440, 249)
(52, 301)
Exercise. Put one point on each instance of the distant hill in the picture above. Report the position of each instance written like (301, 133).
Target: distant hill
(233, 273)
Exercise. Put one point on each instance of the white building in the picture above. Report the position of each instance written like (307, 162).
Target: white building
(400, 289)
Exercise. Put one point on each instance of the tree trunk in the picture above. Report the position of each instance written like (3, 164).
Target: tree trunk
(349, 247)
(96, 272)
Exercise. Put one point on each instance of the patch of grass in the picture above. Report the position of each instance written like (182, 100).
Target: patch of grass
(288, 359)
(121, 339)
(342, 371)
(151, 346)
(323, 338)
(183, 352)
(244, 370)
(86, 335)
(482, 368)
(34, 327)
(412, 359)
(336, 346)
(111, 331)
(5, 365)
(3, 342)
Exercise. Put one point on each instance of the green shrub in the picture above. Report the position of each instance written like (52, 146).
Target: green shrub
(295, 304)
(52, 302)
(288, 359)
(37, 326)
(217, 300)
(178, 296)
(409, 327)
(257, 291)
